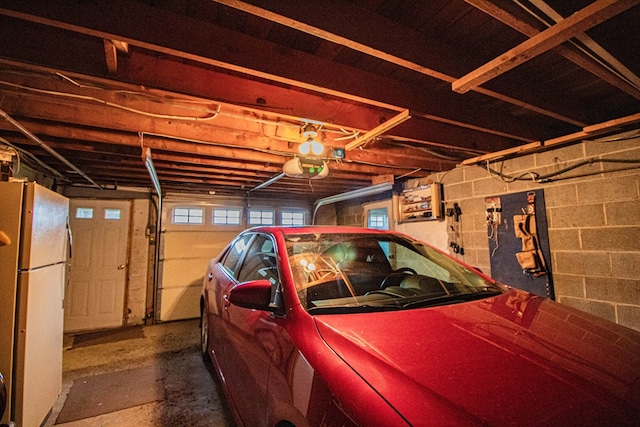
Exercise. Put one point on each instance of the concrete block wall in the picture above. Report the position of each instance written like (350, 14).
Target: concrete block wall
(349, 214)
(593, 214)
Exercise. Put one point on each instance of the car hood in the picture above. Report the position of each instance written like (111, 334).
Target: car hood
(514, 359)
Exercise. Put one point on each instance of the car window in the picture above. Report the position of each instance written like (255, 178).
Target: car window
(343, 272)
(234, 254)
(260, 261)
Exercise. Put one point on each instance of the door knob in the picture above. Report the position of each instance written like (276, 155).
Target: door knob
(121, 267)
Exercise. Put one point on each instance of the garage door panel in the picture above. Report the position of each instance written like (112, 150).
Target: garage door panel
(204, 245)
(180, 303)
(183, 272)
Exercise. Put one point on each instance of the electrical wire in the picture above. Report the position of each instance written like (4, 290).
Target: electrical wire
(294, 122)
(212, 113)
(535, 177)
(32, 161)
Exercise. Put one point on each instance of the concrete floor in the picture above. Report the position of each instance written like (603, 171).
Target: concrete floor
(192, 395)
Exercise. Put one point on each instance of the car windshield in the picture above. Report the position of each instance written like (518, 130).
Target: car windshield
(341, 273)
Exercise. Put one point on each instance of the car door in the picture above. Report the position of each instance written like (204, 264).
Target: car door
(221, 278)
(251, 336)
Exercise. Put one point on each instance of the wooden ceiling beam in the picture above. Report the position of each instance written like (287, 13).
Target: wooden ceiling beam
(587, 132)
(441, 134)
(617, 68)
(592, 15)
(569, 52)
(161, 72)
(111, 57)
(388, 37)
(361, 161)
(208, 44)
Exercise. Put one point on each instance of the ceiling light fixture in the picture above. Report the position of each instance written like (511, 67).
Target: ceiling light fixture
(311, 146)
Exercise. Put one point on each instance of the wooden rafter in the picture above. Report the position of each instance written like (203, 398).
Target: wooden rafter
(385, 56)
(379, 130)
(586, 132)
(577, 23)
(241, 53)
(569, 52)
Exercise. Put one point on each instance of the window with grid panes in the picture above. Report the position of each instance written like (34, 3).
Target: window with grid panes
(261, 217)
(188, 216)
(292, 218)
(227, 216)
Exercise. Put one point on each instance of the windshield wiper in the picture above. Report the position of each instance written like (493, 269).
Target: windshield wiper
(452, 299)
(345, 309)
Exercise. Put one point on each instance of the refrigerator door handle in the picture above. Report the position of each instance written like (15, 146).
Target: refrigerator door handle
(70, 238)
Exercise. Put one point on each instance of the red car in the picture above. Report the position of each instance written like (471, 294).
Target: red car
(332, 326)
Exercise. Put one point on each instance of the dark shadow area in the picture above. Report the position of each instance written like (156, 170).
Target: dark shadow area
(106, 336)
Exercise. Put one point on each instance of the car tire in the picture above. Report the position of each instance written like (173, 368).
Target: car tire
(204, 335)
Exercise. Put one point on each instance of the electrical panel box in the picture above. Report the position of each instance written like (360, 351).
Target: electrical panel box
(421, 203)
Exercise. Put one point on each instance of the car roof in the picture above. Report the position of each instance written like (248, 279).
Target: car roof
(311, 229)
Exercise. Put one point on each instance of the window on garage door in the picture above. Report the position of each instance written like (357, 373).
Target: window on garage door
(188, 216)
(261, 217)
(292, 217)
(227, 216)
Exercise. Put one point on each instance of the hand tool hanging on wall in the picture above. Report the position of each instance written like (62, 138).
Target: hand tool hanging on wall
(493, 207)
(531, 258)
(453, 214)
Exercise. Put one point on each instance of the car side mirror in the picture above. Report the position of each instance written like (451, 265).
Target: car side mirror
(255, 294)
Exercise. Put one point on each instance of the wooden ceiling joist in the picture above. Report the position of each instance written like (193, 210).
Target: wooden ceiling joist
(571, 53)
(590, 16)
(222, 89)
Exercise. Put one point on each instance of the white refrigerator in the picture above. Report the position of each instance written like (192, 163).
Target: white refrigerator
(32, 285)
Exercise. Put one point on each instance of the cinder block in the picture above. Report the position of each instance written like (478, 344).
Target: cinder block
(568, 285)
(560, 196)
(517, 165)
(560, 158)
(474, 206)
(462, 190)
(625, 291)
(629, 316)
(522, 185)
(577, 216)
(611, 239)
(473, 173)
(625, 264)
(475, 239)
(585, 263)
(613, 146)
(486, 186)
(598, 308)
(623, 213)
(564, 239)
(616, 189)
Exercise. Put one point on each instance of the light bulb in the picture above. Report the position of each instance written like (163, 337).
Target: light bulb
(305, 147)
(316, 147)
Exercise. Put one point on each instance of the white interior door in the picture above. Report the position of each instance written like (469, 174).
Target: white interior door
(96, 289)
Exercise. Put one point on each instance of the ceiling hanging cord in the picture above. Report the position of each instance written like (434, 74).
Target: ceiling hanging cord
(50, 150)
